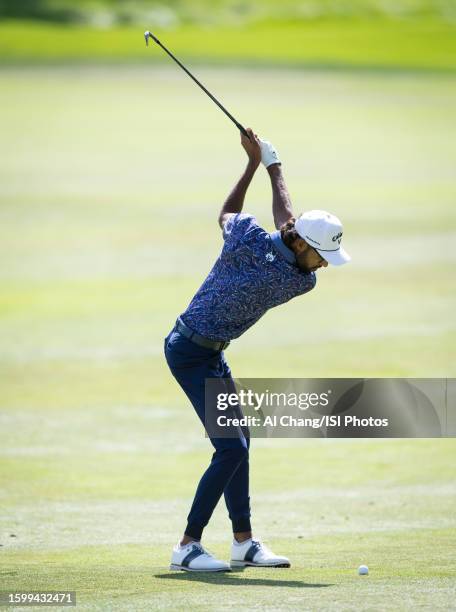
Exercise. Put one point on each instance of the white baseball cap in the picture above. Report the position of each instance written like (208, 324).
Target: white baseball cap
(323, 231)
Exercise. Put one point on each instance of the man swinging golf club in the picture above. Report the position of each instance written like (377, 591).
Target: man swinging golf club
(255, 271)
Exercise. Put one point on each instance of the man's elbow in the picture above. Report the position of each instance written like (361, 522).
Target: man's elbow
(280, 221)
(222, 219)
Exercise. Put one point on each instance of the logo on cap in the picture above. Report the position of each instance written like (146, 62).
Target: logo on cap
(326, 231)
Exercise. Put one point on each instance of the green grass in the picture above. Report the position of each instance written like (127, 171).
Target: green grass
(420, 44)
(111, 180)
(102, 522)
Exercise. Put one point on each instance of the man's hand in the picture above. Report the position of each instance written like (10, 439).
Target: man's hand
(268, 154)
(235, 201)
(252, 147)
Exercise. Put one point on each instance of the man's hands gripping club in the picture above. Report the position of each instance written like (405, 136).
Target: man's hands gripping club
(268, 154)
(259, 151)
(251, 145)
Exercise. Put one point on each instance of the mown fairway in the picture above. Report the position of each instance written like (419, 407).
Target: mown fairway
(110, 185)
(415, 44)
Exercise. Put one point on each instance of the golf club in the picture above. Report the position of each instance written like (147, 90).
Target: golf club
(148, 35)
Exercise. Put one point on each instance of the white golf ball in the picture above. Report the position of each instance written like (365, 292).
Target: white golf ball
(363, 570)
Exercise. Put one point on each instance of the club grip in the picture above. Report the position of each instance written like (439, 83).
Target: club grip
(243, 130)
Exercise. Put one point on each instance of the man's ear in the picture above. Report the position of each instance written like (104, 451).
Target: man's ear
(299, 246)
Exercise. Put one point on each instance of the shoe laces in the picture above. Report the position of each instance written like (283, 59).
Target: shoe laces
(201, 547)
(262, 546)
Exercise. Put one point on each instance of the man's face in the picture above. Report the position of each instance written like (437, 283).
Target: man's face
(307, 257)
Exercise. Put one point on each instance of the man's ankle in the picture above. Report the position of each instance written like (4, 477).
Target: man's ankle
(242, 536)
(187, 540)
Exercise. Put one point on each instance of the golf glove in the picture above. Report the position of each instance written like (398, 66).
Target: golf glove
(268, 154)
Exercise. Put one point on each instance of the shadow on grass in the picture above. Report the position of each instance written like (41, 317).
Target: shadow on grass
(230, 578)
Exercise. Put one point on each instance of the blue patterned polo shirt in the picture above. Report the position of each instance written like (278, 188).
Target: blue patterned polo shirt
(254, 272)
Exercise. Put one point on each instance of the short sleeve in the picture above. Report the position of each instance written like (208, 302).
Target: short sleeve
(238, 226)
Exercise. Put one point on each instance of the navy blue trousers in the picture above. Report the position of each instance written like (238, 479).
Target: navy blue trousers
(228, 472)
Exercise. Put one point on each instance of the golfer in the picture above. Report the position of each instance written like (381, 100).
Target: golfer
(255, 271)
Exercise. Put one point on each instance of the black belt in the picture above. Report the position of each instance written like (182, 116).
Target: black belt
(216, 345)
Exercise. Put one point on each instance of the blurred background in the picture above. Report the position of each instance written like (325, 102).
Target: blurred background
(113, 169)
(375, 33)
(115, 165)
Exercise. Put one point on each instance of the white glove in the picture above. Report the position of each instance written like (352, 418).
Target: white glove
(268, 153)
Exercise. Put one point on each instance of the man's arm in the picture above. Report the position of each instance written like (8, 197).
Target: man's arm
(282, 209)
(235, 201)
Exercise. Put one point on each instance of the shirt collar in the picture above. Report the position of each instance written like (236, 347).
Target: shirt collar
(280, 246)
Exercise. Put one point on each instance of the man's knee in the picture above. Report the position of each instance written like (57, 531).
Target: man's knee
(234, 454)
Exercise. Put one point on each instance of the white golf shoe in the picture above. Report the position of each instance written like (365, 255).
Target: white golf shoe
(193, 558)
(254, 553)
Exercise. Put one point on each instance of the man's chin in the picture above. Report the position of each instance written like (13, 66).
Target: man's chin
(306, 269)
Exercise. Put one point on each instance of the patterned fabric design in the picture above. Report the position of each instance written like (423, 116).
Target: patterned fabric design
(249, 277)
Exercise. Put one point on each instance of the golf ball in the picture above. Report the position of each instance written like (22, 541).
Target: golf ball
(363, 570)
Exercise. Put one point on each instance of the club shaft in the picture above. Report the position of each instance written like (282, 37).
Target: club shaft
(213, 98)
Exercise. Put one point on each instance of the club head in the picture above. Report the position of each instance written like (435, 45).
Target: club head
(148, 35)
